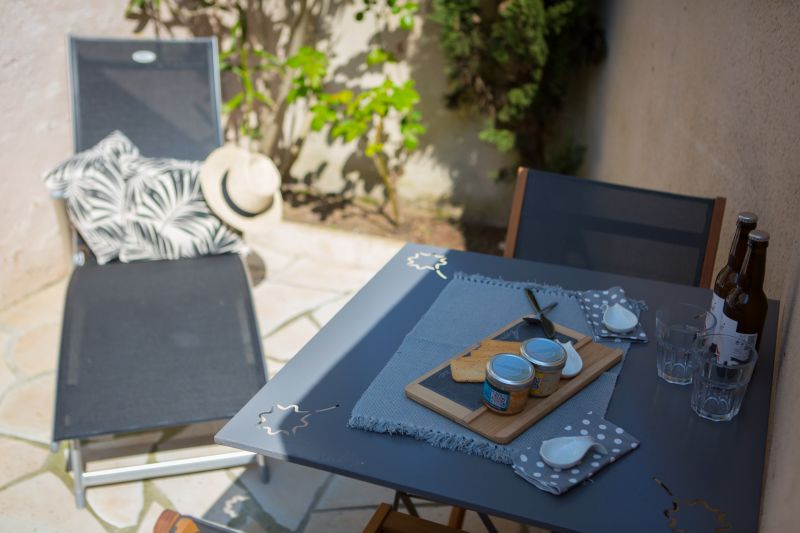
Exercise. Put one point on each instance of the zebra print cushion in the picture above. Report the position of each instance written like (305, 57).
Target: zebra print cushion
(167, 215)
(93, 187)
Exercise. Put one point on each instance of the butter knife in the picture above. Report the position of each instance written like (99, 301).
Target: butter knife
(547, 324)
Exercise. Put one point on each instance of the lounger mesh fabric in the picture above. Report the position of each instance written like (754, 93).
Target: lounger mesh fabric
(167, 107)
(612, 228)
(162, 343)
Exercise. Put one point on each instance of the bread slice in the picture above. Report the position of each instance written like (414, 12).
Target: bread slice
(471, 367)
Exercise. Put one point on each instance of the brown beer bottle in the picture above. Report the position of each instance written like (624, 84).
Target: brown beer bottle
(745, 307)
(726, 278)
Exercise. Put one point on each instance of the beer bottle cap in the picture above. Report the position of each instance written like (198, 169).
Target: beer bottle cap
(758, 235)
(747, 217)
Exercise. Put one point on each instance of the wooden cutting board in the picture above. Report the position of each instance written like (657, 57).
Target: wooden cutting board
(461, 402)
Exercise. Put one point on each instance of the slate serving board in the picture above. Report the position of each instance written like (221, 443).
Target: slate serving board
(461, 402)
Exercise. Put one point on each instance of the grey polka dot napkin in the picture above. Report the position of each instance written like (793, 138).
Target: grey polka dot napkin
(594, 304)
(618, 442)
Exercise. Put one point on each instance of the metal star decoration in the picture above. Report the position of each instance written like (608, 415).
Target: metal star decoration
(422, 261)
(264, 423)
(677, 506)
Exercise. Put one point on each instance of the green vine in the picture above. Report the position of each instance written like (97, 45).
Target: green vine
(515, 60)
(363, 116)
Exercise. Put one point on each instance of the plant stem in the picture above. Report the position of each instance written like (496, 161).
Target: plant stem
(297, 37)
(383, 171)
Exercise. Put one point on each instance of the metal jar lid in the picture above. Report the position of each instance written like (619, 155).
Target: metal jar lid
(510, 370)
(544, 353)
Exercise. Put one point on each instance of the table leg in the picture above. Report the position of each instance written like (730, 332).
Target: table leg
(399, 496)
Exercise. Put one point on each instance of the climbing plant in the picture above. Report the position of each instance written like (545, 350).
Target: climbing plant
(362, 115)
(265, 84)
(515, 61)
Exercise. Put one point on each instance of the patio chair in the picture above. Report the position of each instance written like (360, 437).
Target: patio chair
(614, 228)
(155, 344)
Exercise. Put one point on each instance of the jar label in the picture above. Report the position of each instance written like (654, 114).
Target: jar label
(538, 377)
(717, 304)
(495, 397)
(736, 349)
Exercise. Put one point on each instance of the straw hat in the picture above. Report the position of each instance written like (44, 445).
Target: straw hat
(242, 188)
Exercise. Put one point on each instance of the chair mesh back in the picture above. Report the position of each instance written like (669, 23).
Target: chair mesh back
(168, 107)
(612, 228)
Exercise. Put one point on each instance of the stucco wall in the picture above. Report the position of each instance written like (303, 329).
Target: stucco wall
(34, 106)
(451, 164)
(36, 129)
(703, 98)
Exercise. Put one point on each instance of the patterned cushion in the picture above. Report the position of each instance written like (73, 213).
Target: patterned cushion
(167, 215)
(93, 187)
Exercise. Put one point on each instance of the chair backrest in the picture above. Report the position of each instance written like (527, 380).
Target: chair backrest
(164, 95)
(614, 228)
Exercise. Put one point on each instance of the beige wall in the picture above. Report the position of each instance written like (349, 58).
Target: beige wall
(36, 133)
(703, 98)
(36, 129)
(451, 164)
(782, 480)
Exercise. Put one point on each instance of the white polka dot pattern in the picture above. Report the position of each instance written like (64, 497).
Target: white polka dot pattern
(552, 479)
(594, 303)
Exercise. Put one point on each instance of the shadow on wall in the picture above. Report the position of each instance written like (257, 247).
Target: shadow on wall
(278, 29)
(452, 144)
(451, 167)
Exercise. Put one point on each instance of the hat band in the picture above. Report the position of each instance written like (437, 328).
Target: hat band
(236, 209)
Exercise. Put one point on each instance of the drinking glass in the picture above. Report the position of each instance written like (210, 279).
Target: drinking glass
(677, 328)
(722, 366)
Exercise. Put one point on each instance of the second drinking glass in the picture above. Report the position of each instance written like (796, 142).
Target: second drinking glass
(677, 328)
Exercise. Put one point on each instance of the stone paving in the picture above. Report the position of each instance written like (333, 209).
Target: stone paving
(312, 273)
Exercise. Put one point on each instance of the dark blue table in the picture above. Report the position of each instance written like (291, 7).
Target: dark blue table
(710, 468)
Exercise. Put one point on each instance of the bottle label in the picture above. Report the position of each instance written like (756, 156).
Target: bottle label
(717, 304)
(735, 350)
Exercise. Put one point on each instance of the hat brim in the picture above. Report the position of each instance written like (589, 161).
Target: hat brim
(212, 171)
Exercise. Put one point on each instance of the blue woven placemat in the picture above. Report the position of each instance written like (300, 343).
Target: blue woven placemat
(470, 308)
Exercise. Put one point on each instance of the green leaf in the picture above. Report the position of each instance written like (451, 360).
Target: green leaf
(234, 102)
(373, 149)
(264, 98)
(405, 97)
(410, 142)
(349, 129)
(502, 138)
(312, 64)
(340, 98)
(322, 115)
(295, 93)
(379, 55)
(407, 22)
(411, 129)
(134, 5)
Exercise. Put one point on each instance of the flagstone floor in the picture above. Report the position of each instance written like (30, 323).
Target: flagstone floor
(312, 273)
